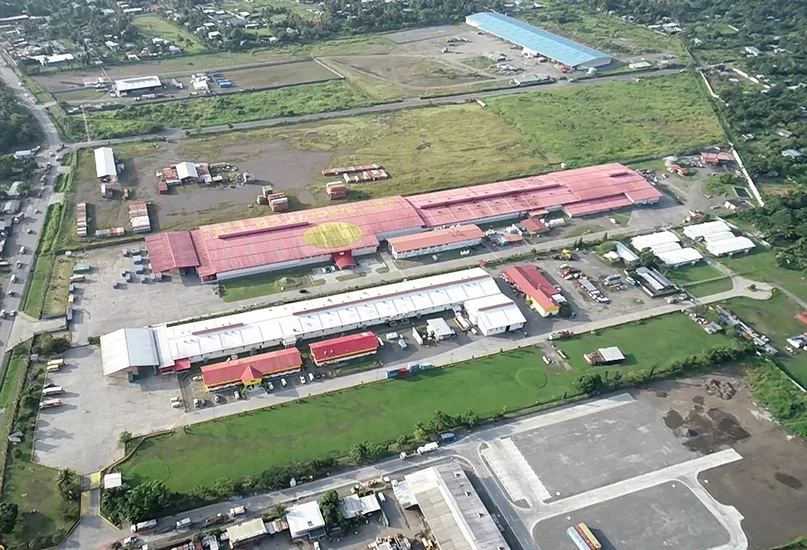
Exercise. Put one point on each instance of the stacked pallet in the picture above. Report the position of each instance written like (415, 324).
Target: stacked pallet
(81, 219)
(139, 217)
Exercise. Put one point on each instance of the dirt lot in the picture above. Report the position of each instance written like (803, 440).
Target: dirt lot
(412, 71)
(188, 206)
(766, 486)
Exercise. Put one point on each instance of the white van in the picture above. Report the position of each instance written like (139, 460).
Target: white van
(22, 250)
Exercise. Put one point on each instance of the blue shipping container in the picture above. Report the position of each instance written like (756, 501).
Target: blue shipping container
(226, 85)
(392, 373)
(447, 437)
(577, 539)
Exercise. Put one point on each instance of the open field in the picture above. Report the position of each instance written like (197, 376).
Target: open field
(326, 425)
(306, 11)
(776, 319)
(677, 338)
(277, 75)
(186, 64)
(617, 120)
(693, 274)
(707, 288)
(761, 266)
(423, 149)
(299, 100)
(153, 26)
(37, 286)
(267, 283)
(605, 32)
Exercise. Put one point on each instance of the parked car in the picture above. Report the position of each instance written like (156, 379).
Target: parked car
(237, 395)
(270, 386)
(302, 379)
(311, 376)
(283, 382)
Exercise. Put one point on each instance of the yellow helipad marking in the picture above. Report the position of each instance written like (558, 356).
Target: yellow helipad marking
(333, 235)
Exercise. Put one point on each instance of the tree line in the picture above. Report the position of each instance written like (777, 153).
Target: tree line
(18, 128)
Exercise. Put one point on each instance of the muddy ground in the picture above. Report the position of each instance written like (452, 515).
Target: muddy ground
(767, 485)
(285, 167)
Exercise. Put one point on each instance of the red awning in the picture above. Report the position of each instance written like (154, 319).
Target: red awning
(343, 260)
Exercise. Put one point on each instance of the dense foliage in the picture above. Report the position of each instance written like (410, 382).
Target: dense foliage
(18, 128)
(783, 220)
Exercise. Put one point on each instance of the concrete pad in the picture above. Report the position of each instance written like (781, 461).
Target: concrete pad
(83, 433)
(665, 516)
(592, 451)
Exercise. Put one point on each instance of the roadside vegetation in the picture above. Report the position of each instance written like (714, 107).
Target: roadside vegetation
(39, 283)
(197, 113)
(397, 413)
(18, 129)
(40, 504)
(613, 121)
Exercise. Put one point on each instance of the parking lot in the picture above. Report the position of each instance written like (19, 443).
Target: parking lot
(665, 516)
(82, 434)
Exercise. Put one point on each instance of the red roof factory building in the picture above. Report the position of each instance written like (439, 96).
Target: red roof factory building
(540, 293)
(431, 242)
(344, 348)
(250, 371)
(293, 239)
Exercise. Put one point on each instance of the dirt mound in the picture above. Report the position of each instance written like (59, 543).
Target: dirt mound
(723, 389)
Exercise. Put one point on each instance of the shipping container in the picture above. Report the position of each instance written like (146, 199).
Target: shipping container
(82, 268)
(448, 437)
(577, 539)
(102, 233)
(583, 530)
(53, 390)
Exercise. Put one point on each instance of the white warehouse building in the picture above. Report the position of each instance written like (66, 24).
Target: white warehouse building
(719, 239)
(180, 345)
(666, 246)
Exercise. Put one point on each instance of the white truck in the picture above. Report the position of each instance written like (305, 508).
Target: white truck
(143, 526)
(184, 524)
(422, 450)
(237, 511)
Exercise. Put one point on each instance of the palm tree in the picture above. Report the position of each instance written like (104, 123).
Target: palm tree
(279, 510)
(66, 477)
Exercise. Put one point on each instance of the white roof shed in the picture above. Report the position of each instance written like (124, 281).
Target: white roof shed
(704, 230)
(494, 313)
(127, 348)
(248, 530)
(105, 166)
(304, 518)
(730, 246)
(186, 170)
(643, 242)
(438, 328)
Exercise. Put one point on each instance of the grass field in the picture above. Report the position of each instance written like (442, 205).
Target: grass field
(152, 26)
(423, 149)
(15, 369)
(606, 32)
(326, 425)
(617, 120)
(267, 283)
(298, 100)
(707, 288)
(645, 344)
(37, 286)
(761, 266)
(776, 319)
(694, 274)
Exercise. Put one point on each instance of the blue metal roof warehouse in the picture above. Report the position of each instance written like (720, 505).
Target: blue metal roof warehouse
(538, 41)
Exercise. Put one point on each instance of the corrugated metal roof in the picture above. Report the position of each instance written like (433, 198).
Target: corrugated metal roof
(105, 163)
(451, 506)
(440, 237)
(532, 283)
(544, 42)
(128, 347)
(344, 346)
(304, 518)
(254, 367)
(702, 230)
(137, 83)
(581, 191)
(186, 170)
(170, 251)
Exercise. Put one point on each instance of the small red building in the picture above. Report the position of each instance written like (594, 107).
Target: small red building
(344, 348)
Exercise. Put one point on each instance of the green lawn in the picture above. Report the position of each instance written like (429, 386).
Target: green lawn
(694, 274)
(776, 319)
(291, 101)
(761, 266)
(152, 26)
(267, 283)
(612, 121)
(37, 286)
(645, 344)
(11, 378)
(327, 424)
(599, 30)
(707, 288)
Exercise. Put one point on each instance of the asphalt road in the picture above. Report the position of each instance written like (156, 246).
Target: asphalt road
(176, 134)
(33, 221)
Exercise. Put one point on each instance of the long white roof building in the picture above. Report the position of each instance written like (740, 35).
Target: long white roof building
(105, 166)
(290, 323)
(718, 238)
(666, 246)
